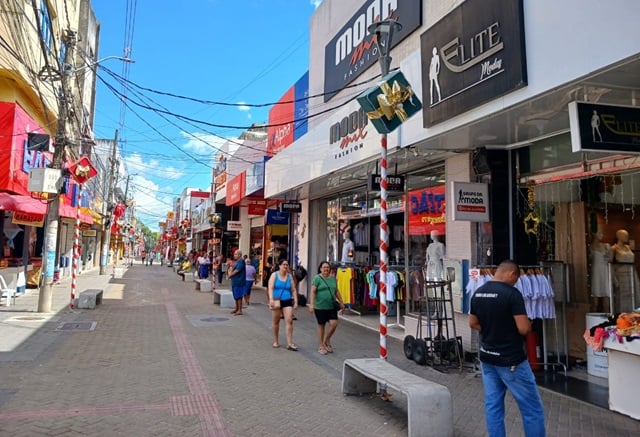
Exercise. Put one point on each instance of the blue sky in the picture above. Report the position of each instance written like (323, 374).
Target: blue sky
(233, 51)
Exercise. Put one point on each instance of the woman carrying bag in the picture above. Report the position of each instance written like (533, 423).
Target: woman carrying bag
(325, 302)
(282, 301)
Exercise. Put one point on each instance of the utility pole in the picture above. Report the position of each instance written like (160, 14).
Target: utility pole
(65, 99)
(106, 238)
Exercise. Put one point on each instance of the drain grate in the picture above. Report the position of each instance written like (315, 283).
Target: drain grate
(77, 326)
(200, 320)
(214, 319)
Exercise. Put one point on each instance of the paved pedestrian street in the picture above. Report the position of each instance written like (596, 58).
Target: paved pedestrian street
(158, 358)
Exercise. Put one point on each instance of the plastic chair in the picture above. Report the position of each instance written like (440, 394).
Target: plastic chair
(6, 292)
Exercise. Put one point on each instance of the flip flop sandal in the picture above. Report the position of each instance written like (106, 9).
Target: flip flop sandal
(322, 351)
(292, 347)
(329, 348)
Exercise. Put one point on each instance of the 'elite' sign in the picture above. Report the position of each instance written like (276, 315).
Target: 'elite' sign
(604, 128)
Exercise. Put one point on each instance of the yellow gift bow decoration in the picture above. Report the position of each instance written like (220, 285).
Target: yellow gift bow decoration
(391, 101)
(83, 170)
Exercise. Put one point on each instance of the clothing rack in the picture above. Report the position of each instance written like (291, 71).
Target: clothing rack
(397, 267)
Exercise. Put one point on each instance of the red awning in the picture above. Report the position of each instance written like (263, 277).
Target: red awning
(70, 212)
(26, 204)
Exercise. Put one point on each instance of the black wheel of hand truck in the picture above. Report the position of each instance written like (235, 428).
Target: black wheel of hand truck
(409, 343)
(420, 352)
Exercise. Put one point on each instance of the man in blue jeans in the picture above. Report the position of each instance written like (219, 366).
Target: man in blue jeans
(498, 312)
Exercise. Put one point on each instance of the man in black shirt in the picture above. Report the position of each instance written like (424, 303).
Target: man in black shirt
(498, 312)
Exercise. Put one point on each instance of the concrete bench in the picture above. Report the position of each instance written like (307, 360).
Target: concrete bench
(224, 298)
(429, 405)
(88, 299)
(204, 285)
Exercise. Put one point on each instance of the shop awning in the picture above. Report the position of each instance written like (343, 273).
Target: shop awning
(70, 212)
(20, 203)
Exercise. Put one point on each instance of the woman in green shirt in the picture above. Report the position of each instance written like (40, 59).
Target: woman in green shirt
(324, 300)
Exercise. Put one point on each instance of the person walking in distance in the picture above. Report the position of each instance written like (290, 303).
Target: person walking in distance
(322, 302)
(283, 299)
(498, 313)
(250, 275)
(237, 274)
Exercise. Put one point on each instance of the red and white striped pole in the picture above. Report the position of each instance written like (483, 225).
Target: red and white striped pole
(76, 249)
(383, 31)
(384, 242)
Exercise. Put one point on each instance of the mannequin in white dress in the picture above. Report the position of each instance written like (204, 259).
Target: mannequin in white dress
(347, 249)
(434, 258)
(625, 277)
(600, 256)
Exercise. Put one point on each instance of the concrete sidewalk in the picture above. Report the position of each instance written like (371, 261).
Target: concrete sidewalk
(157, 358)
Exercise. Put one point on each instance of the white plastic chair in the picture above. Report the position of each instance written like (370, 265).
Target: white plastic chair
(6, 292)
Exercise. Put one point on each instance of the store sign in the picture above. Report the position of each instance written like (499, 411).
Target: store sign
(234, 225)
(473, 55)
(349, 133)
(604, 128)
(257, 208)
(89, 233)
(277, 217)
(235, 189)
(291, 206)
(353, 49)
(469, 201)
(23, 218)
(394, 183)
(426, 210)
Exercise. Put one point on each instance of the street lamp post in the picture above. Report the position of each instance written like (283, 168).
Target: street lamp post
(383, 31)
(65, 99)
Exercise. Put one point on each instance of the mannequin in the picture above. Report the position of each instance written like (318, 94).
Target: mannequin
(622, 252)
(435, 256)
(347, 249)
(625, 277)
(600, 256)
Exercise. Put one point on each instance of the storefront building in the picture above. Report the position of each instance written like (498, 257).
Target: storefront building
(496, 80)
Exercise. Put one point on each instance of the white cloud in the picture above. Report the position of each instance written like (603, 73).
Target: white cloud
(243, 107)
(316, 3)
(202, 144)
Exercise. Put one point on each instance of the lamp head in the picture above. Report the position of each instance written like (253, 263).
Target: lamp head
(384, 34)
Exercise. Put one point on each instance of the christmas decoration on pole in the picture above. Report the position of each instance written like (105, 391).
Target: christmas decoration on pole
(81, 171)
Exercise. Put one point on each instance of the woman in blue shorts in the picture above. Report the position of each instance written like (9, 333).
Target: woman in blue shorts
(282, 288)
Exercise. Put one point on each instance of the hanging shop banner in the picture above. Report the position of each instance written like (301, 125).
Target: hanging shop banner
(469, 201)
(277, 217)
(353, 49)
(473, 55)
(426, 209)
(234, 225)
(604, 128)
(291, 206)
(394, 183)
(25, 218)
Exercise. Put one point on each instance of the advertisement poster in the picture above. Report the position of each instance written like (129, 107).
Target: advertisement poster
(426, 209)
